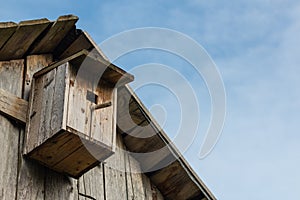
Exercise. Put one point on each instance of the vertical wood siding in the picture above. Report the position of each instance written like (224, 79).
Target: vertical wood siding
(21, 178)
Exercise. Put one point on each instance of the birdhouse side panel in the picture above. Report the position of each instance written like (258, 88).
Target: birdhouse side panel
(40, 110)
(47, 107)
(61, 99)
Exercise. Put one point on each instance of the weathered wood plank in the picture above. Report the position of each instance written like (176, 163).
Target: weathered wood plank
(78, 105)
(80, 43)
(81, 188)
(147, 187)
(13, 106)
(61, 100)
(20, 41)
(174, 182)
(46, 107)
(30, 180)
(58, 186)
(80, 161)
(55, 35)
(6, 31)
(56, 149)
(139, 185)
(65, 153)
(129, 114)
(114, 172)
(159, 159)
(34, 116)
(135, 186)
(129, 179)
(78, 55)
(114, 132)
(34, 63)
(11, 79)
(31, 174)
(139, 142)
(102, 127)
(92, 183)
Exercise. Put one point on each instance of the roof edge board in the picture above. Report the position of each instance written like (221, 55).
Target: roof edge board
(94, 44)
(67, 17)
(54, 34)
(34, 22)
(4, 25)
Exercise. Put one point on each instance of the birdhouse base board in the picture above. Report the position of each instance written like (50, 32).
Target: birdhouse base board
(70, 153)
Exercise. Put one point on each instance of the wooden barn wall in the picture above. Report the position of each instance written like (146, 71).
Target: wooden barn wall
(21, 178)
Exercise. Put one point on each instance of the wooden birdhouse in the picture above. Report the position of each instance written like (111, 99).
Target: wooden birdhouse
(71, 123)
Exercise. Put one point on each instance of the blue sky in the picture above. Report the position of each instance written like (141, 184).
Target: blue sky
(255, 45)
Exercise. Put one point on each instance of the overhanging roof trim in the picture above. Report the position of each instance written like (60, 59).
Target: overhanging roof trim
(173, 149)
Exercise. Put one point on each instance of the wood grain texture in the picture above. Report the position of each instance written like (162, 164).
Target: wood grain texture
(34, 115)
(56, 149)
(54, 36)
(114, 120)
(13, 106)
(11, 79)
(147, 187)
(126, 109)
(23, 37)
(140, 135)
(46, 107)
(58, 186)
(79, 161)
(34, 63)
(102, 127)
(60, 100)
(35, 111)
(30, 180)
(81, 188)
(78, 107)
(31, 174)
(80, 43)
(92, 183)
(6, 31)
(76, 56)
(174, 182)
(114, 173)
(135, 186)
